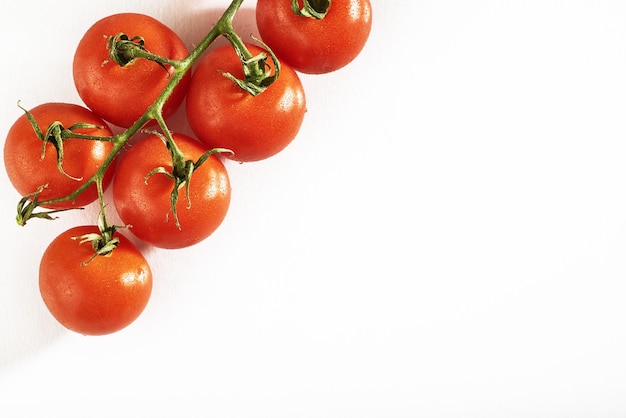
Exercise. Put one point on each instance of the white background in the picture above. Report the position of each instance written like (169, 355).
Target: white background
(446, 236)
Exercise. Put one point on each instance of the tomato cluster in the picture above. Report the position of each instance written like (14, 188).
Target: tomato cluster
(244, 101)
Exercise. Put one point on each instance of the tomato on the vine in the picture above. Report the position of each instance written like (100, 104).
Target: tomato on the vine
(221, 114)
(142, 197)
(121, 94)
(310, 45)
(93, 296)
(24, 149)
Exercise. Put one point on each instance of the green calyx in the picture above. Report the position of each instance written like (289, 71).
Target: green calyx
(257, 73)
(55, 134)
(103, 243)
(123, 50)
(315, 9)
(181, 173)
(27, 205)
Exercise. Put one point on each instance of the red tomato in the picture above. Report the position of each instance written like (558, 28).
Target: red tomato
(221, 114)
(315, 46)
(118, 94)
(146, 206)
(97, 298)
(82, 158)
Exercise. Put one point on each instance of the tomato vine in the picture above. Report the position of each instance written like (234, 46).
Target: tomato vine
(124, 50)
(249, 111)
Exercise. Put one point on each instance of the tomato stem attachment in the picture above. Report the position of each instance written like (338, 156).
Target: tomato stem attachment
(56, 134)
(27, 205)
(123, 50)
(257, 74)
(181, 171)
(315, 9)
(105, 242)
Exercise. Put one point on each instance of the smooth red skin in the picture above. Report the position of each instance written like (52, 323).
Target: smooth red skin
(121, 95)
(99, 298)
(223, 115)
(315, 46)
(146, 207)
(82, 158)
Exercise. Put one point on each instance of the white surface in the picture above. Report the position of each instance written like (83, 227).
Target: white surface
(445, 238)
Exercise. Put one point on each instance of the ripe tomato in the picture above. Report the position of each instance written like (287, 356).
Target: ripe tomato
(146, 206)
(26, 169)
(221, 114)
(100, 297)
(118, 94)
(315, 46)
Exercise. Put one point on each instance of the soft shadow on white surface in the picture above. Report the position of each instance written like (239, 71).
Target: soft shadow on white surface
(26, 326)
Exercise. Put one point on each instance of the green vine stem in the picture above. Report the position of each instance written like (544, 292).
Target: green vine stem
(123, 50)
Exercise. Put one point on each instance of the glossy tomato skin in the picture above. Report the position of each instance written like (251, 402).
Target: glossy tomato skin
(103, 296)
(221, 114)
(118, 94)
(315, 46)
(27, 171)
(145, 206)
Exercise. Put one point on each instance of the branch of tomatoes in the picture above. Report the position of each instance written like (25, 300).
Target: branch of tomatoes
(243, 101)
(326, 46)
(124, 50)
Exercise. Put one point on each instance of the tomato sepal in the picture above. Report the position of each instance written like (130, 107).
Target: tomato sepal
(123, 50)
(257, 74)
(55, 134)
(181, 172)
(27, 205)
(102, 246)
(103, 242)
(315, 9)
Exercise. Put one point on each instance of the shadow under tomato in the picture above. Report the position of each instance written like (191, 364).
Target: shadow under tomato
(26, 326)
